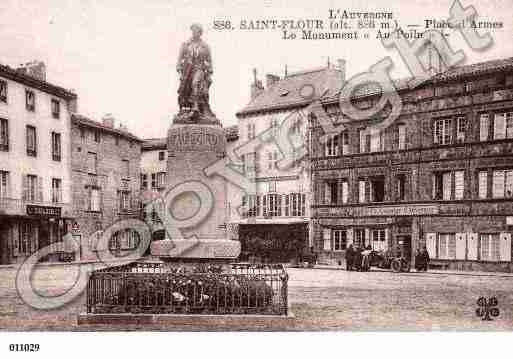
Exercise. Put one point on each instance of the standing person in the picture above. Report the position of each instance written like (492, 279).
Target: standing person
(349, 257)
(418, 260)
(357, 259)
(424, 255)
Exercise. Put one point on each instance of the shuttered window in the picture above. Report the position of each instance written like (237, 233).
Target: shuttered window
(490, 247)
(483, 184)
(502, 184)
(361, 191)
(4, 184)
(339, 240)
(459, 184)
(499, 126)
(484, 123)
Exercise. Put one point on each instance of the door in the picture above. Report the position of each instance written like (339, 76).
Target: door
(404, 246)
(4, 257)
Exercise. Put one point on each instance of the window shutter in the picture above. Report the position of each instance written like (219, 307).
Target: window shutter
(387, 236)
(25, 187)
(350, 234)
(40, 189)
(345, 192)
(15, 235)
(278, 199)
(361, 191)
(472, 246)
(505, 247)
(287, 204)
(264, 205)
(367, 191)
(483, 184)
(431, 244)
(499, 126)
(326, 236)
(303, 204)
(483, 127)
(461, 245)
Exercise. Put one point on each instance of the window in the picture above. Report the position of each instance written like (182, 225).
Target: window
(251, 131)
(345, 192)
(378, 240)
(489, 247)
(483, 184)
(4, 135)
(503, 126)
(92, 162)
(272, 205)
(461, 128)
(4, 184)
(249, 162)
(162, 155)
(484, 125)
(272, 160)
(154, 181)
(447, 246)
(125, 239)
(442, 131)
(144, 181)
(251, 205)
(94, 199)
(3, 91)
(331, 145)
(377, 188)
(56, 146)
(442, 186)
(401, 134)
(359, 237)
(126, 168)
(331, 192)
(30, 100)
(31, 141)
(97, 136)
(502, 186)
(124, 201)
(401, 184)
(56, 190)
(339, 239)
(297, 204)
(161, 179)
(56, 108)
(271, 187)
(32, 188)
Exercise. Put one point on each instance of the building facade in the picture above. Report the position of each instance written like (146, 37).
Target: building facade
(106, 162)
(273, 223)
(440, 176)
(35, 162)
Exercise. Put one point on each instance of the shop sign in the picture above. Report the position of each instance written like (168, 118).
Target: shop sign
(43, 211)
(380, 211)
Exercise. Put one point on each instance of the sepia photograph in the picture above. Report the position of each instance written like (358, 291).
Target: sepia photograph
(266, 170)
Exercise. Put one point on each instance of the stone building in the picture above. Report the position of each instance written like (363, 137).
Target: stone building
(35, 161)
(153, 173)
(105, 166)
(273, 224)
(440, 176)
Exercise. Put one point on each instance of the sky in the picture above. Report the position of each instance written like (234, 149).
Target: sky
(120, 56)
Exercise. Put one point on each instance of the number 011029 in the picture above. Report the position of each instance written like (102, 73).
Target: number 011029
(23, 347)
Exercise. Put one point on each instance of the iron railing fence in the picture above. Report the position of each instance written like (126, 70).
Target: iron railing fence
(159, 288)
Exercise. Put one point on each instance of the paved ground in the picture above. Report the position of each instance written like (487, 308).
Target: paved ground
(321, 299)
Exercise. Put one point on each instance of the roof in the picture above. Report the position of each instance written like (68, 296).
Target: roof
(84, 121)
(15, 75)
(296, 90)
(455, 73)
(149, 144)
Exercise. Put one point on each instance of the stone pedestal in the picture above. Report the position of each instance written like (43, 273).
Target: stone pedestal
(191, 149)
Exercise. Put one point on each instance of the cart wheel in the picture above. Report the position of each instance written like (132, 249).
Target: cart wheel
(406, 266)
(396, 265)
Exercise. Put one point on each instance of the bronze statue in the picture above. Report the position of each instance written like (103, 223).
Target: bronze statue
(195, 69)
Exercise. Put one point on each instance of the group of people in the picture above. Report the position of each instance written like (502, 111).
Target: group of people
(357, 258)
(421, 260)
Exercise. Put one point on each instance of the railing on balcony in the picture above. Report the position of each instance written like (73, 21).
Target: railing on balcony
(160, 288)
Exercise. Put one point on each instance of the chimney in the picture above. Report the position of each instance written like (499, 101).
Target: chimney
(35, 69)
(108, 120)
(122, 127)
(256, 87)
(342, 68)
(271, 79)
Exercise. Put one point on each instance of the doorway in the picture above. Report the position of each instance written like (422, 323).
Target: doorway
(403, 246)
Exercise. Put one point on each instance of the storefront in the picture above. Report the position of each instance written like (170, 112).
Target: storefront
(23, 235)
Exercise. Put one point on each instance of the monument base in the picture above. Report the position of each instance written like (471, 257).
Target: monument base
(196, 249)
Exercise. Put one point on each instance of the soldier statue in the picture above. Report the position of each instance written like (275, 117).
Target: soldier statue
(195, 70)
